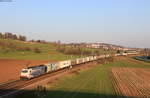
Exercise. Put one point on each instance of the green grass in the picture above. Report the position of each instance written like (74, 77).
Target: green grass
(48, 52)
(92, 83)
(36, 56)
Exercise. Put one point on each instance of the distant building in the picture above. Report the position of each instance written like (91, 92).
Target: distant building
(100, 46)
(93, 45)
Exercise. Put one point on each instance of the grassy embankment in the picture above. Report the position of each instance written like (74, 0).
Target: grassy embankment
(92, 83)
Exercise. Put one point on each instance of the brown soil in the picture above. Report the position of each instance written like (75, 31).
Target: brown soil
(44, 79)
(133, 82)
(10, 68)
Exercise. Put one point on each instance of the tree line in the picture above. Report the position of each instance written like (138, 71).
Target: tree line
(8, 35)
(77, 51)
(10, 46)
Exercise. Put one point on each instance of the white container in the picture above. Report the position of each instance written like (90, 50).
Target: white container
(63, 64)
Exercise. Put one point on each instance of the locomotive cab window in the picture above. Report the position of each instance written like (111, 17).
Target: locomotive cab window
(25, 71)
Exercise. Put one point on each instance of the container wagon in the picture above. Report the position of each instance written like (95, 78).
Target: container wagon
(63, 64)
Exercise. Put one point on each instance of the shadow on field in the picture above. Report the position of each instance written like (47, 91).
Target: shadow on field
(58, 94)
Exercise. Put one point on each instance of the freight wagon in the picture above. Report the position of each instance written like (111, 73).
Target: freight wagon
(52, 66)
(73, 62)
(63, 64)
(79, 60)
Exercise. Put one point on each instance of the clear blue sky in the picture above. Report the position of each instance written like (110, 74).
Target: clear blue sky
(123, 22)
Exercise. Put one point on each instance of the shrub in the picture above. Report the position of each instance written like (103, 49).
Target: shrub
(27, 48)
(6, 50)
(37, 50)
(20, 48)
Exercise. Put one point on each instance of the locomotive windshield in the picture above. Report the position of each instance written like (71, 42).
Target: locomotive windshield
(24, 71)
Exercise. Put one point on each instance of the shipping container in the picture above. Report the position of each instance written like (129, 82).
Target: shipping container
(91, 58)
(52, 66)
(79, 60)
(95, 57)
(73, 62)
(63, 64)
(88, 59)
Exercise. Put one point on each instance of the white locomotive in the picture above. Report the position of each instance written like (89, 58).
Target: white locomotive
(32, 72)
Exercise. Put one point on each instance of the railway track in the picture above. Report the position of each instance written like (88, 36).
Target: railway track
(13, 88)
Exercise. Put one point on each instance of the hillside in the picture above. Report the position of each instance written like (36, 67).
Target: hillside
(14, 49)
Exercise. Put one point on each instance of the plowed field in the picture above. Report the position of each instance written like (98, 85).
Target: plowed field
(133, 82)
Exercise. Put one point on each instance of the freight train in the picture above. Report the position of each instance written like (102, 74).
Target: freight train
(35, 71)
